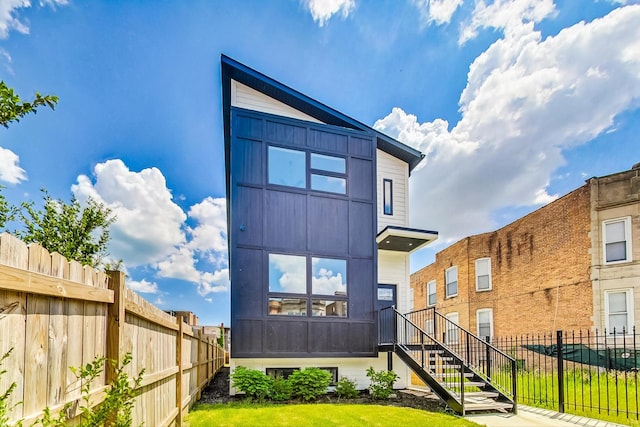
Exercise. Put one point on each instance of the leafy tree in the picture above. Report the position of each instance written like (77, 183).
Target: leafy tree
(12, 108)
(7, 212)
(75, 232)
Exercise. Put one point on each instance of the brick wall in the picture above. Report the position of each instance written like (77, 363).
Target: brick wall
(540, 267)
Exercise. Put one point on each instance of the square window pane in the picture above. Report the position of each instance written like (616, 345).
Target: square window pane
(617, 302)
(482, 267)
(616, 251)
(483, 282)
(615, 232)
(484, 330)
(287, 167)
(617, 322)
(329, 183)
(329, 276)
(288, 306)
(432, 299)
(329, 308)
(452, 288)
(328, 163)
(385, 294)
(288, 274)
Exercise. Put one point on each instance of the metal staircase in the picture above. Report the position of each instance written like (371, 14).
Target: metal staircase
(466, 372)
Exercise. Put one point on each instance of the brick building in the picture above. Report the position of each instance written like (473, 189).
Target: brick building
(572, 264)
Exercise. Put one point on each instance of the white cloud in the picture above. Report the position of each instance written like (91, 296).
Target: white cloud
(437, 11)
(143, 286)
(149, 224)
(151, 229)
(326, 282)
(10, 171)
(525, 101)
(8, 12)
(507, 15)
(323, 10)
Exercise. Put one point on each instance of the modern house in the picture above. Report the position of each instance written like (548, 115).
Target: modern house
(318, 230)
(573, 264)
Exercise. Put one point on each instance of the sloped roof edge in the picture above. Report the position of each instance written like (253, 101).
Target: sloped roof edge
(232, 69)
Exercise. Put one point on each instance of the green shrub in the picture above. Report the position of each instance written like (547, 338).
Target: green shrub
(346, 388)
(310, 383)
(253, 383)
(381, 383)
(4, 396)
(280, 389)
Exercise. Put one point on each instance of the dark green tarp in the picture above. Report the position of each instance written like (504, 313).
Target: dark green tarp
(620, 359)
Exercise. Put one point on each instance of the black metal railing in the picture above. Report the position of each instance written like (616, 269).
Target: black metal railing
(582, 372)
(487, 361)
(425, 356)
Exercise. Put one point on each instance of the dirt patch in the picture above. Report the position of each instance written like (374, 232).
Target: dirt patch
(218, 392)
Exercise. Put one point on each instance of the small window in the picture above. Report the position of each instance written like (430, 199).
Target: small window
(328, 173)
(280, 372)
(328, 163)
(451, 279)
(431, 293)
(387, 192)
(334, 375)
(334, 308)
(287, 274)
(616, 237)
(484, 318)
(619, 311)
(483, 274)
(287, 167)
(288, 306)
(385, 294)
(451, 328)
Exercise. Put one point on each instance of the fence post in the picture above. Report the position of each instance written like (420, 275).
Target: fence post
(560, 372)
(179, 398)
(115, 322)
(199, 368)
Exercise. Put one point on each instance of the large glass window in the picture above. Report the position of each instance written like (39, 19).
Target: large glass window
(617, 240)
(330, 184)
(483, 274)
(328, 163)
(329, 276)
(451, 278)
(287, 274)
(327, 282)
(287, 167)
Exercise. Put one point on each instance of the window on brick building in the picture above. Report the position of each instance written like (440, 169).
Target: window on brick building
(616, 238)
(431, 293)
(451, 330)
(483, 274)
(484, 318)
(618, 306)
(451, 280)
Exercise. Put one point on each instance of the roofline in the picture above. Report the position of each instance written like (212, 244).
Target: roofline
(232, 69)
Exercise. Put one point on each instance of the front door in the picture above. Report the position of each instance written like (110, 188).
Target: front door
(386, 298)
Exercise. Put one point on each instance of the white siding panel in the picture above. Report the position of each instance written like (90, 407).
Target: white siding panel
(389, 167)
(393, 269)
(244, 97)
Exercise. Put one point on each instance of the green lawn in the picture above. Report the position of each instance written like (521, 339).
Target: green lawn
(319, 415)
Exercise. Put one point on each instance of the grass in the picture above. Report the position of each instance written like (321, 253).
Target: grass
(320, 415)
(616, 394)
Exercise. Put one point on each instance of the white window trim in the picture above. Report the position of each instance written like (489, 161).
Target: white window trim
(490, 275)
(480, 311)
(434, 293)
(446, 288)
(627, 236)
(630, 308)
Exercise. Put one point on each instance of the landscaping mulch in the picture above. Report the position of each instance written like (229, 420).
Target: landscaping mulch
(217, 391)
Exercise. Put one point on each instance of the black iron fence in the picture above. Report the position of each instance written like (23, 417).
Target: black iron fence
(590, 373)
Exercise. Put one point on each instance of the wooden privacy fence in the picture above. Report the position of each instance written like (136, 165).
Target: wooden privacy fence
(56, 314)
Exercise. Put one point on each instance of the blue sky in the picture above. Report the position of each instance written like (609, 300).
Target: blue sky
(514, 102)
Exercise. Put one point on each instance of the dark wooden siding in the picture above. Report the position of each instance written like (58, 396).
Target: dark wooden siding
(275, 219)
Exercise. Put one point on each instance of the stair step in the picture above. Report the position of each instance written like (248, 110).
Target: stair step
(453, 375)
(488, 406)
(480, 394)
(474, 384)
